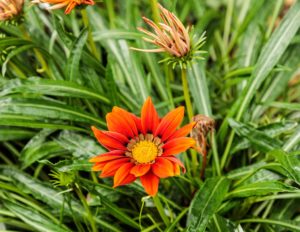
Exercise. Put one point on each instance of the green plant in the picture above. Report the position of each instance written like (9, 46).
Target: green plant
(61, 74)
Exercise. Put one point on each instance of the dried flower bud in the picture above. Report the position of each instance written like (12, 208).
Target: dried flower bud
(10, 8)
(69, 4)
(172, 37)
(204, 124)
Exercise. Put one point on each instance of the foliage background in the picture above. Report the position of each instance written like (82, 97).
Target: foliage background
(61, 74)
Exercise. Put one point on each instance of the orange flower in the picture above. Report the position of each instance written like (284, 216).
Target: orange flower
(10, 8)
(69, 4)
(142, 147)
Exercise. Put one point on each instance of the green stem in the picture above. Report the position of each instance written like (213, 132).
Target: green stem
(86, 207)
(160, 210)
(111, 13)
(215, 152)
(155, 11)
(169, 75)
(92, 44)
(195, 162)
(227, 149)
(186, 94)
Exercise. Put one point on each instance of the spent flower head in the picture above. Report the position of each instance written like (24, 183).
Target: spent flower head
(173, 37)
(142, 147)
(68, 4)
(9, 9)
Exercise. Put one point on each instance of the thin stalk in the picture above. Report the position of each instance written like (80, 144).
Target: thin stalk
(186, 94)
(111, 13)
(195, 162)
(169, 76)
(227, 149)
(6, 160)
(161, 210)
(86, 207)
(215, 153)
(91, 42)
(177, 219)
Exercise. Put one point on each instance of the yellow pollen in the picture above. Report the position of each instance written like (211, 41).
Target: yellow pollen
(144, 152)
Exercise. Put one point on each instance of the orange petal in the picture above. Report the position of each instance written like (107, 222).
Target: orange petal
(117, 123)
(140, 169)
(184, 131)
(98, 166)
(89, 2)
(150, 183)
(176, 161)
(138, 122)
(149, 117)
(128, 118)
(111, 167)
(123, 175)
(169, 123)
(70, 7)
(178, 145)
(163, 168)
(116, 154)
(110, 139)
(176, 169)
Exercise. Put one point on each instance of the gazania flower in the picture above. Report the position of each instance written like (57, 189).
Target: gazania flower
(142, 147)
(69, 4)
(173, 37)
(10, 8)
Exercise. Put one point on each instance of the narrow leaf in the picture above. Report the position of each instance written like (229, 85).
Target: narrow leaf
(206, 202)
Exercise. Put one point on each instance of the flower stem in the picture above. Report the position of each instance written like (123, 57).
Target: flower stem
(227, 150)
(186, 94)
(86, 207)
(160, 210)
(215, 153)
(169, 74)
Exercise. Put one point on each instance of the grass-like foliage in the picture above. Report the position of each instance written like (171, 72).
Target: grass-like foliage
(61, 74)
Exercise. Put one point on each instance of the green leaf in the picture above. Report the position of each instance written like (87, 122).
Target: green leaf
(74, 59)
(272, 129)
(285, 105)
(260, 188)
(293, 140)
(288, 224)
(206, 202)
(70, 165)
(80, 146)
(32, 122)
(36, 85)
(289, 162)
(270, 55)
(46, 109)
(34, 219)
(48, 195)
(199, 89)
(261, 141)
(14, 134)
(220, 224)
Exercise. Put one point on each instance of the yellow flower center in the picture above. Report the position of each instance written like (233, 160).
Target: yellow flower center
(144, 152)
